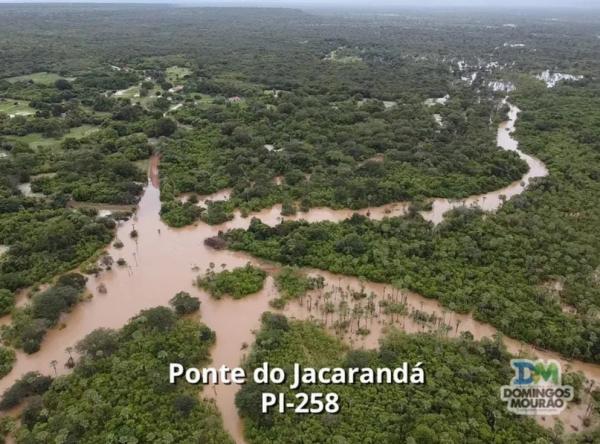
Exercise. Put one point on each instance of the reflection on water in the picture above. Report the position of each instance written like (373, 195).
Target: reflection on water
(162, 261)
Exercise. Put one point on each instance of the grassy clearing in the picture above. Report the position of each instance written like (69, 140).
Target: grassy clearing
(37, 140)
(81, 131)
(177, 73)
(34, 140)
(146, 101)
(43, 78)
(96, 113)
(129, 93)
(15, 107)
(344, 55)
(133, 93)
(203, 99)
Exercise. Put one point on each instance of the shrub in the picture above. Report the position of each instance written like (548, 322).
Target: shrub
(100, 342)
(7, 360)
(32, 383)
(237, 283)
(183, 303)
(7, 301)
(74, 280)
(177, 214)
(217, 212)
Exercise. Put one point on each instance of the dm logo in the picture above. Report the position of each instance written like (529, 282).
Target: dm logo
(536, 388)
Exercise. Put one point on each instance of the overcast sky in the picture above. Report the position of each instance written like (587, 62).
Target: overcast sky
(356, 3)
(412, 3)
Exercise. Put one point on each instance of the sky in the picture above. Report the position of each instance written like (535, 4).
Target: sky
(379, 4)
(422, 3)
(411, 3)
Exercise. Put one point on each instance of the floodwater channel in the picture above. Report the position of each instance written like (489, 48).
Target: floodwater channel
(162, 261)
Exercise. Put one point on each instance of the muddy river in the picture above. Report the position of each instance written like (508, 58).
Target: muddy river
(162, 261)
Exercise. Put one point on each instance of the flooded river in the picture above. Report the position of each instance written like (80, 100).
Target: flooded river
(489, 201)
(162, 261)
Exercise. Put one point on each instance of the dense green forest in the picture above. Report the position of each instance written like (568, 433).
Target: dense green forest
(45, 241)
(30, 323)
(118, 391)
(459, 402)
(331, 150)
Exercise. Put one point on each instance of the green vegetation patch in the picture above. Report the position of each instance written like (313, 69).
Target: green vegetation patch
(88, 176)
(176, 74)
(42, 78)
(292, 284)
(7, 359)
(179, 214)
(47, 242)
(461, 388)
(30, 323)
(119, 388)
(15, 107)
(237, 283)
(183, 303)
(7, 301)
(28, 385)
(493, 265)
(39, 140)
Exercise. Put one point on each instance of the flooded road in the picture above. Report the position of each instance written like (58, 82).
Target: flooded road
(162, 261)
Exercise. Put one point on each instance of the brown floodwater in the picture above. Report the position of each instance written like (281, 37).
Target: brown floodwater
(162, 261)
